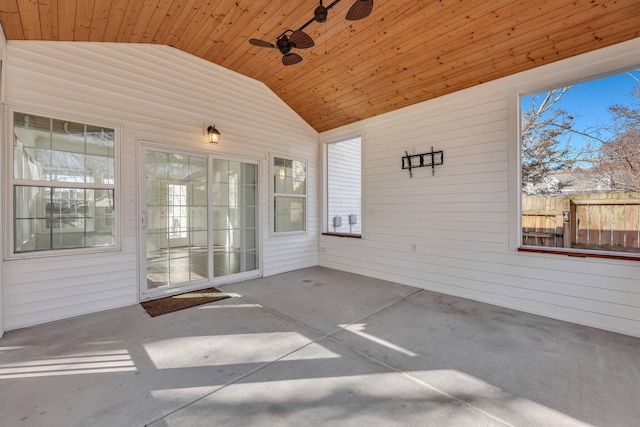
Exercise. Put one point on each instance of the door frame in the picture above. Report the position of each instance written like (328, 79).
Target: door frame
(144, 294)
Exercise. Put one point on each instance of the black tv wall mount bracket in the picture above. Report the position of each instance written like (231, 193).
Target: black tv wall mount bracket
(414, 161)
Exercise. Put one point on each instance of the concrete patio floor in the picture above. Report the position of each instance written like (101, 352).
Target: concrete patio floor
(319, 347)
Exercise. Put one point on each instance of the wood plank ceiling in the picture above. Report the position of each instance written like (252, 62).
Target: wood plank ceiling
(405, 52)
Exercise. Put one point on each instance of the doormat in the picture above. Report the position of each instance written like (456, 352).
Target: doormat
(173, 303)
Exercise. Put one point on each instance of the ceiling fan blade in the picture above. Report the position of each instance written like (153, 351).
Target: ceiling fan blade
(291, 58)
(261, 43)
(301, 40)
(360, 9)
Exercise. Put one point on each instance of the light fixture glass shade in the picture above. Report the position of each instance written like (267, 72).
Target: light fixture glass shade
(214, 135)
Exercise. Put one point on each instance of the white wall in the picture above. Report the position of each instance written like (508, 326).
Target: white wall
(457, 232)
(152, 93)
(3, 46)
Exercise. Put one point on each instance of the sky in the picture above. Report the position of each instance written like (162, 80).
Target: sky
(589, 101)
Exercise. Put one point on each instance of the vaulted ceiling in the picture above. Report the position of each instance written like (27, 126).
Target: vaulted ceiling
(405, 52)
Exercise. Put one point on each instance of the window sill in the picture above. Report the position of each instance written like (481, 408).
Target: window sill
(582, 254)
(64, 253)
(353, 236)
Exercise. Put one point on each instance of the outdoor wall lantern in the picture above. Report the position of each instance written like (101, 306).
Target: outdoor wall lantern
(213, 134)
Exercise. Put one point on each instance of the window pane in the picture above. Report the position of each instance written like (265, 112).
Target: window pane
(67, 155)
(198, 218)
(250, 217)
(100, 218)
(289, 178)
(344, 187)
(251, 260)
(299, 177)
(31, 202)
(580, 163)
(198, 193)
(220, 218)
(157, 273)
(157, 166)
(32, 235)
(289, 214)
(198, 263)
(99, 170)
(250, 174)
(177, 211)
(156, 245)
(250, 240)
(100, 154)
(60, 218)
(30, 132)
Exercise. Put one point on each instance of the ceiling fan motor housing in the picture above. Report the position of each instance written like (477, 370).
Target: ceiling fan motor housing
(284, 45)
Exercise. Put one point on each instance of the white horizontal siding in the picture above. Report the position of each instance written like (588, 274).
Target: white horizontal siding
(457, 232)
(158, 94)
(3, 46)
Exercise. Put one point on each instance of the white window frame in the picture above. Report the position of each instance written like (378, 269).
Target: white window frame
(326, 225)
(273, 195)
(9, 199)
(590, 66)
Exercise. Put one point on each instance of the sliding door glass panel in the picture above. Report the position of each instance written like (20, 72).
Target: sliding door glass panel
(176, 211)
(234, 217)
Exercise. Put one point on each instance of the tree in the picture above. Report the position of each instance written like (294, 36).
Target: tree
(541, 150)
(619, 157)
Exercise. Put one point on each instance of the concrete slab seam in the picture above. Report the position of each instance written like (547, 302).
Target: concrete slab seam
(419, 382)
(242, 377)
(320, 337)
(391, 304)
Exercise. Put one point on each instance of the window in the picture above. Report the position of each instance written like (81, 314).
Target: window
(63, 184)
(343, 187)
(580, 166)
(177, 216)
(289, 195)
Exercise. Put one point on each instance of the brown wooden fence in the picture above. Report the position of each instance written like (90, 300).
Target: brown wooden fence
(604, 221)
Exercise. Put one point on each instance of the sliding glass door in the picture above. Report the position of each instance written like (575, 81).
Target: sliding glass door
(198, 222)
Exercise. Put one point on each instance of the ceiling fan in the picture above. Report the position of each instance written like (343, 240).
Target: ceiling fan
(299, 39)
(285, 42)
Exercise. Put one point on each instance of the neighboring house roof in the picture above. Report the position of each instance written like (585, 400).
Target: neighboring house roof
(574, 181)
